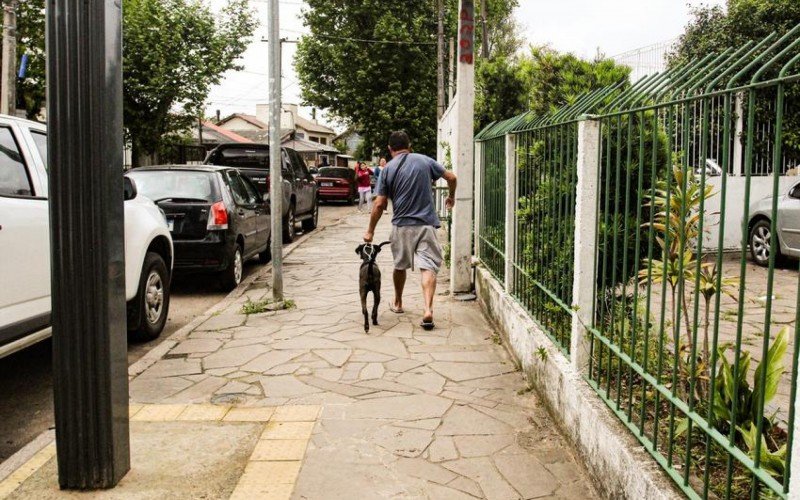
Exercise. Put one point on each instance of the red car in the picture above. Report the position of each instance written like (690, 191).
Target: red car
(337, 184)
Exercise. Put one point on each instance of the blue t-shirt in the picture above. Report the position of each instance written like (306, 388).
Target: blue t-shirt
(411, 190)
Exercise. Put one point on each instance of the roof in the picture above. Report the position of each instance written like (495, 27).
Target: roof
(312, 126)
(304, 146)
(262, 136)
(227, 134)
(346, 133)
(252, 120)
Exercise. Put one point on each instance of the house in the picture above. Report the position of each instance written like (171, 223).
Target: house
(351, 139)
(303, 128)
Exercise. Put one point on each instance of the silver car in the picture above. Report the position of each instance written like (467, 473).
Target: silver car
(788, 224)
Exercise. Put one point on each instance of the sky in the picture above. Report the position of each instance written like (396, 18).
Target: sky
(579, 26)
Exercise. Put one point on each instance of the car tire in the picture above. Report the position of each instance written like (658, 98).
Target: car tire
(310, 224)
(760, 241)
(266, 256)
(232, 276)
(148, 311)
(289, 223)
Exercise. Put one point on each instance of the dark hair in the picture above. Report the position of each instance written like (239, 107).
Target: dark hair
(399, 141)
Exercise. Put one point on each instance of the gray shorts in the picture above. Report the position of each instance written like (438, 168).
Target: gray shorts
(416, 246)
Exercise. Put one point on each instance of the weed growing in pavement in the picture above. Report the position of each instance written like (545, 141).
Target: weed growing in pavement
(496, 338)
(542, 353)
(266, 305)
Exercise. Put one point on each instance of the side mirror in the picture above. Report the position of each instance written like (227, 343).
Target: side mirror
(129, 188)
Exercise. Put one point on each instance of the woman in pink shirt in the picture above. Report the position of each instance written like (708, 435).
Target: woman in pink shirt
(363, 176)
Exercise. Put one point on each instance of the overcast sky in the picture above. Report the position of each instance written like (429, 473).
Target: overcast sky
(578, 26)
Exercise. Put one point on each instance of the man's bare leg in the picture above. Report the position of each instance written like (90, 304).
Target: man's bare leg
(399, 278)
(428, 292)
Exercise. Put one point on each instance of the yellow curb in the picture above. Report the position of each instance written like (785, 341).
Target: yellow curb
(158, 413)
(288, 430)
(19, 476)
(133, 410)
(279, 450)
(296, 413)
(256, 414)
(204, 412)
(259, 473)
(266, 491)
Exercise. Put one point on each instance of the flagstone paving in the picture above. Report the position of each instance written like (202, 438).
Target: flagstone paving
(405, 412)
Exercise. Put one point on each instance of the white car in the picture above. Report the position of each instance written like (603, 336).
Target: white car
(788, 224)
(25, 303)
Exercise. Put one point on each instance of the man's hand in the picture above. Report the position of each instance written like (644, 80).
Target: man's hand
(368, 237)
(450, 202)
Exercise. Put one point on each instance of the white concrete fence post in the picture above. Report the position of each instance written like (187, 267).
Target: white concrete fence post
(511, 212)
(586, 217)
(480, 168)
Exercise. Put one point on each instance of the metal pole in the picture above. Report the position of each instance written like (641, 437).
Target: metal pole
(451, 85)
(440, 96)
(275, 157)
(8, 79)
(90, 362)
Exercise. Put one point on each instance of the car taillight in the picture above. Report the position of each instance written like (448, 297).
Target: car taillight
(218, 218)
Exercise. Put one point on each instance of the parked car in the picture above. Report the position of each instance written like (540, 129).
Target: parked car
(25, 245)
(337, 184)
(788, 225)
(300, 197)
(314, 171)
(217, 217)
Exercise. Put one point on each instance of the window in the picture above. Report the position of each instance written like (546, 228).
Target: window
(300, 166)
(238, 190)
(795, 192)
(14, 180)
(323, 141)
(40, 138)
(252, 193)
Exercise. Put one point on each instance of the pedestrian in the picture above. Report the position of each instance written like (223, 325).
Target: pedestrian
(408, 181)
(363, 176)
(378, 171)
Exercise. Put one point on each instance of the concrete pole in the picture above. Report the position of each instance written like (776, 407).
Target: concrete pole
(275, 156)
(738, 136)
(586, 214)
(511, 211)
(463, 152)
(85, 154)
(8, 78)
(480, 168)
(451, 77)
(440, 94)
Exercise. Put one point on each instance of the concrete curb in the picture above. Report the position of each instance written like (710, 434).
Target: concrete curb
(169, 343)
(20, 458)
(619, 465)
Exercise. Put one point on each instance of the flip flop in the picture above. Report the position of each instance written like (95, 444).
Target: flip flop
(396, 310)
(427, 325)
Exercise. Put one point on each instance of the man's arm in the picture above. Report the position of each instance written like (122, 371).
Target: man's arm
(378, 206)
(452, 183)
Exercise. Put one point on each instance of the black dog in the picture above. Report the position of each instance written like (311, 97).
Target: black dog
(369, 280)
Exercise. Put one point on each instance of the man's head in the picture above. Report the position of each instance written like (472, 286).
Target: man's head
(399, 142)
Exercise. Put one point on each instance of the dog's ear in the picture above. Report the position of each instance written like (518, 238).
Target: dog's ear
(359, 249)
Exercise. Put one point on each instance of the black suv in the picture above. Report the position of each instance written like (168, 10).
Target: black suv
(300, 198)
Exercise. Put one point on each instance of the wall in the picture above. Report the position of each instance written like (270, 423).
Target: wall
(238, 124)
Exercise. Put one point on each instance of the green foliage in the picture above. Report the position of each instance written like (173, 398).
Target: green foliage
(501, 90)
(30, 41)
(265, 305)
(173, 52)
(380, 87)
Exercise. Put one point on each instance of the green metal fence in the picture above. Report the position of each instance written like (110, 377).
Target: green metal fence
(694, 320)
(492, 218)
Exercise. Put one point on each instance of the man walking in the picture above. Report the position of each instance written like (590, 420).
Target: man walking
(407, 180)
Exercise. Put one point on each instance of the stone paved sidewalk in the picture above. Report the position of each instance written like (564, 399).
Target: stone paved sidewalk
(405, 413)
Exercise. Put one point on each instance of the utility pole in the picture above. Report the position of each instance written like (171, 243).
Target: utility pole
(8, 80)
(451, 77)
(275, 157)
(90, 335)
(484, 31)
(440, 101)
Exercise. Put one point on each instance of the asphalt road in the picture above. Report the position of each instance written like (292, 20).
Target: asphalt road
(26, 389)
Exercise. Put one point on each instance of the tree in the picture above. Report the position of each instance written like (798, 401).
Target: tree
(379, 87)
(173, 52)
(501, 90)
(30, 42)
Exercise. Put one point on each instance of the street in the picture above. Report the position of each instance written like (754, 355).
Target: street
(26, 388)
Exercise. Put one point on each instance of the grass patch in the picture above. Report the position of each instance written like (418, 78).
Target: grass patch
(266, 305)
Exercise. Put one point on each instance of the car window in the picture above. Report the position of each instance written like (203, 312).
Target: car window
(300, 166)
(14, 180)
(336, 172)
(238, 190)
(176, 185)
(795, 192)
(252, 192)
(40, 138)
(288, 167)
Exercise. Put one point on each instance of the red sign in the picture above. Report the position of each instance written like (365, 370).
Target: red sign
(466, 32)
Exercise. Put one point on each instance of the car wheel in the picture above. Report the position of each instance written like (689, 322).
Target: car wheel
(311, 224)
(289, 223)
(760, 242)
(232, 276)
(266, 256)
(150, 307)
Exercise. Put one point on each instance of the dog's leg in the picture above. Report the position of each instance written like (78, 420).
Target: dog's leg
(363, 292)
(377, 296)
